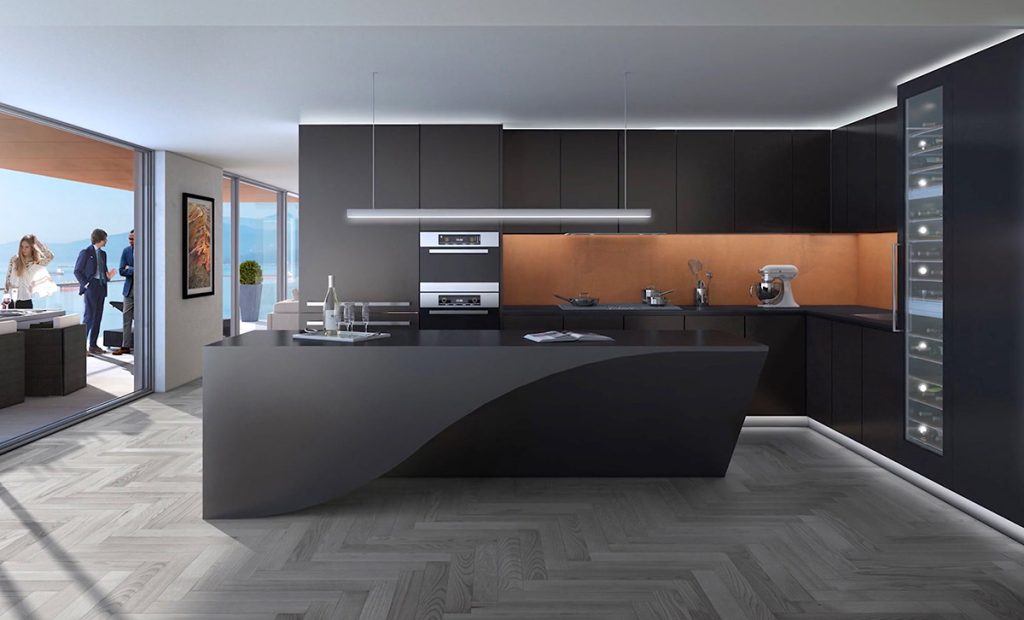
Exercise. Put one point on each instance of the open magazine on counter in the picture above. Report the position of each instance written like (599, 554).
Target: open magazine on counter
(561, 336)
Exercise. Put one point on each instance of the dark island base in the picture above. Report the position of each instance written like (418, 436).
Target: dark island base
(590, 421)
(287, 426)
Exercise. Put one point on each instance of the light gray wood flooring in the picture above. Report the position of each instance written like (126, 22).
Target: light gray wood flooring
(103, 520)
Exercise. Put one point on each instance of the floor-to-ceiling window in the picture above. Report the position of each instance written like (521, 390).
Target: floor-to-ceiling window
(227, 196)
(260, 251)
(63, 193)
(292, 243)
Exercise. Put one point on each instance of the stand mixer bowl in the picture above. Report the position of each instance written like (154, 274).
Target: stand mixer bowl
(767, 292)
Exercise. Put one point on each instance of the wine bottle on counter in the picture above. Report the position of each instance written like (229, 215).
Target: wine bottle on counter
(330, 309)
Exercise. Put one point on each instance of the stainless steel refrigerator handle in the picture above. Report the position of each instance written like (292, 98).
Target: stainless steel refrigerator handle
(895, 270)
(454, 251)
(457, 312)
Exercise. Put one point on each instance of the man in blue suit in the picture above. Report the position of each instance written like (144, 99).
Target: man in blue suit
(127, 269)
(92, 275)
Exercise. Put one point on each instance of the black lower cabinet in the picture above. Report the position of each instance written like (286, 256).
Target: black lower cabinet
(882, 391)
(583, 320)
(781, 388)
(728, 324)
(847, 380)
(532, 322)
(819, 369)
(664, 322)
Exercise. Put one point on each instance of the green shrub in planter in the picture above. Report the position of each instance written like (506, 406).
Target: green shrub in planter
(250, 279)
(250, 272)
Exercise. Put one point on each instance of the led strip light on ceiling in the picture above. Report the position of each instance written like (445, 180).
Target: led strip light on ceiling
(373, 214)
(499, 214)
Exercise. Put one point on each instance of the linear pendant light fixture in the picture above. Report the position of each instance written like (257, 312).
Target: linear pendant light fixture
(373, 214)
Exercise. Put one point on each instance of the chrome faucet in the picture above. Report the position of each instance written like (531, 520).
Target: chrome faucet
(701, 295)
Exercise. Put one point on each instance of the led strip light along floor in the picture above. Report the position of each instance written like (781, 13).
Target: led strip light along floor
(997, 522)
(591, 215)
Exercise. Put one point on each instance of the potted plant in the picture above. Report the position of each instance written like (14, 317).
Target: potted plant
(250, 290)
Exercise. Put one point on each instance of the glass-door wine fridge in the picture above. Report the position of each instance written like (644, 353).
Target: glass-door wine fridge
(923, 284)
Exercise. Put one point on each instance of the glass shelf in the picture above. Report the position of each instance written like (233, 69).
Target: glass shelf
(923, 284)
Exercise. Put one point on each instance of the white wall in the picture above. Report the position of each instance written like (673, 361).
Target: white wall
(183, 326)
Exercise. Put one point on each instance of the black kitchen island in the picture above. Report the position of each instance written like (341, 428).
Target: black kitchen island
(288, 425)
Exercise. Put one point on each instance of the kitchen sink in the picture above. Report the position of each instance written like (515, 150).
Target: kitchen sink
(875, 316)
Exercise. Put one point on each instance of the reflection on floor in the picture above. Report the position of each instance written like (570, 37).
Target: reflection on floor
(103, 519)
(247, 326)
(107, 377)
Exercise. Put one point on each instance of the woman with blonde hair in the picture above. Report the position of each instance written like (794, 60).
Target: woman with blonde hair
(27, 272)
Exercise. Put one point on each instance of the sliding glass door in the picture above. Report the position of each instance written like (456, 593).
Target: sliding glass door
(71, 199)
(260, 251)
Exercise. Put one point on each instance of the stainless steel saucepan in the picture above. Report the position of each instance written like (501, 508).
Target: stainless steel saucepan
(655, 297)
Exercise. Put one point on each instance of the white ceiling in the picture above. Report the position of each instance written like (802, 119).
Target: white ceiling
(234, 95)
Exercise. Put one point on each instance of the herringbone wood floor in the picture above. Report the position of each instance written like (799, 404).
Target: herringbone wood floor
(103, 520)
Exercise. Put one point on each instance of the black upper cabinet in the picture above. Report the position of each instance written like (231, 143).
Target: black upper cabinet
(705, 181)
(590, 175)
(650, 180)
(531, 168)
(888, 171)
(810, 181)
(860, 163)
(882, 391)
(459, 169)
(839, 179)
(397, 175)
(846, 380)
(764, 181)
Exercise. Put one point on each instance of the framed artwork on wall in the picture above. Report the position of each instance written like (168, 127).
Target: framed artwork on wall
(198, 252)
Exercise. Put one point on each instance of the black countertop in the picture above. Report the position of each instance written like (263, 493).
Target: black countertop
(505, 338)
(840, 313)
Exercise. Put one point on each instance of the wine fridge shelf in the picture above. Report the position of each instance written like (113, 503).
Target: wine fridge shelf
(928, 151)
(920, 132)
(924, 193)
(924, 169)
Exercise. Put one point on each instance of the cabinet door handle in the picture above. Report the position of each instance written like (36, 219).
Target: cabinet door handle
(895, 272)
(461, 312)
(454, 251)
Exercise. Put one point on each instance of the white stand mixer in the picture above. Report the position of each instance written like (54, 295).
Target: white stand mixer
(774, 290)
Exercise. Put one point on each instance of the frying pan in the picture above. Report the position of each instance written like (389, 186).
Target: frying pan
(584, 300)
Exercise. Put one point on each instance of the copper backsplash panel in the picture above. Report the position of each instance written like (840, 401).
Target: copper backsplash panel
(834, 268)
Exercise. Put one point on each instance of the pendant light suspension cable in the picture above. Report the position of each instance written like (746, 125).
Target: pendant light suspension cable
(625, 139)
(373, 140)
(463, 216)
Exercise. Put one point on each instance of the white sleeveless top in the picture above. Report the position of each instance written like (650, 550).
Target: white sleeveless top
(35, 281)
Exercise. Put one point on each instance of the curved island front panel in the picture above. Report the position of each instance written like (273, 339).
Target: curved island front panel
(289, 425)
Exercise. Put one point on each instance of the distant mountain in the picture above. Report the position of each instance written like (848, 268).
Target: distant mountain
(65, 254)
(254, 235)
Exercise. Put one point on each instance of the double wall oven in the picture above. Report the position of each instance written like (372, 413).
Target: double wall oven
(460, 280)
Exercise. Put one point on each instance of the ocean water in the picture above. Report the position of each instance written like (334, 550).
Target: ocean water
(71, 302)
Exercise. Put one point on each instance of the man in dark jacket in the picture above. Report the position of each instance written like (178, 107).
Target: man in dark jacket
(92, 275)
(127, 269)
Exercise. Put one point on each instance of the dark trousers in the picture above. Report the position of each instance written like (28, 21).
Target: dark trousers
(26, 304)
(127, 339)
(94, 297)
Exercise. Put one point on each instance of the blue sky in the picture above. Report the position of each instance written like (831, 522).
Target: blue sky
(58, 210)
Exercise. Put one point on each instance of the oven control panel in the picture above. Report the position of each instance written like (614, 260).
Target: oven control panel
(460, 239)
(458, 300)
(455, 240)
